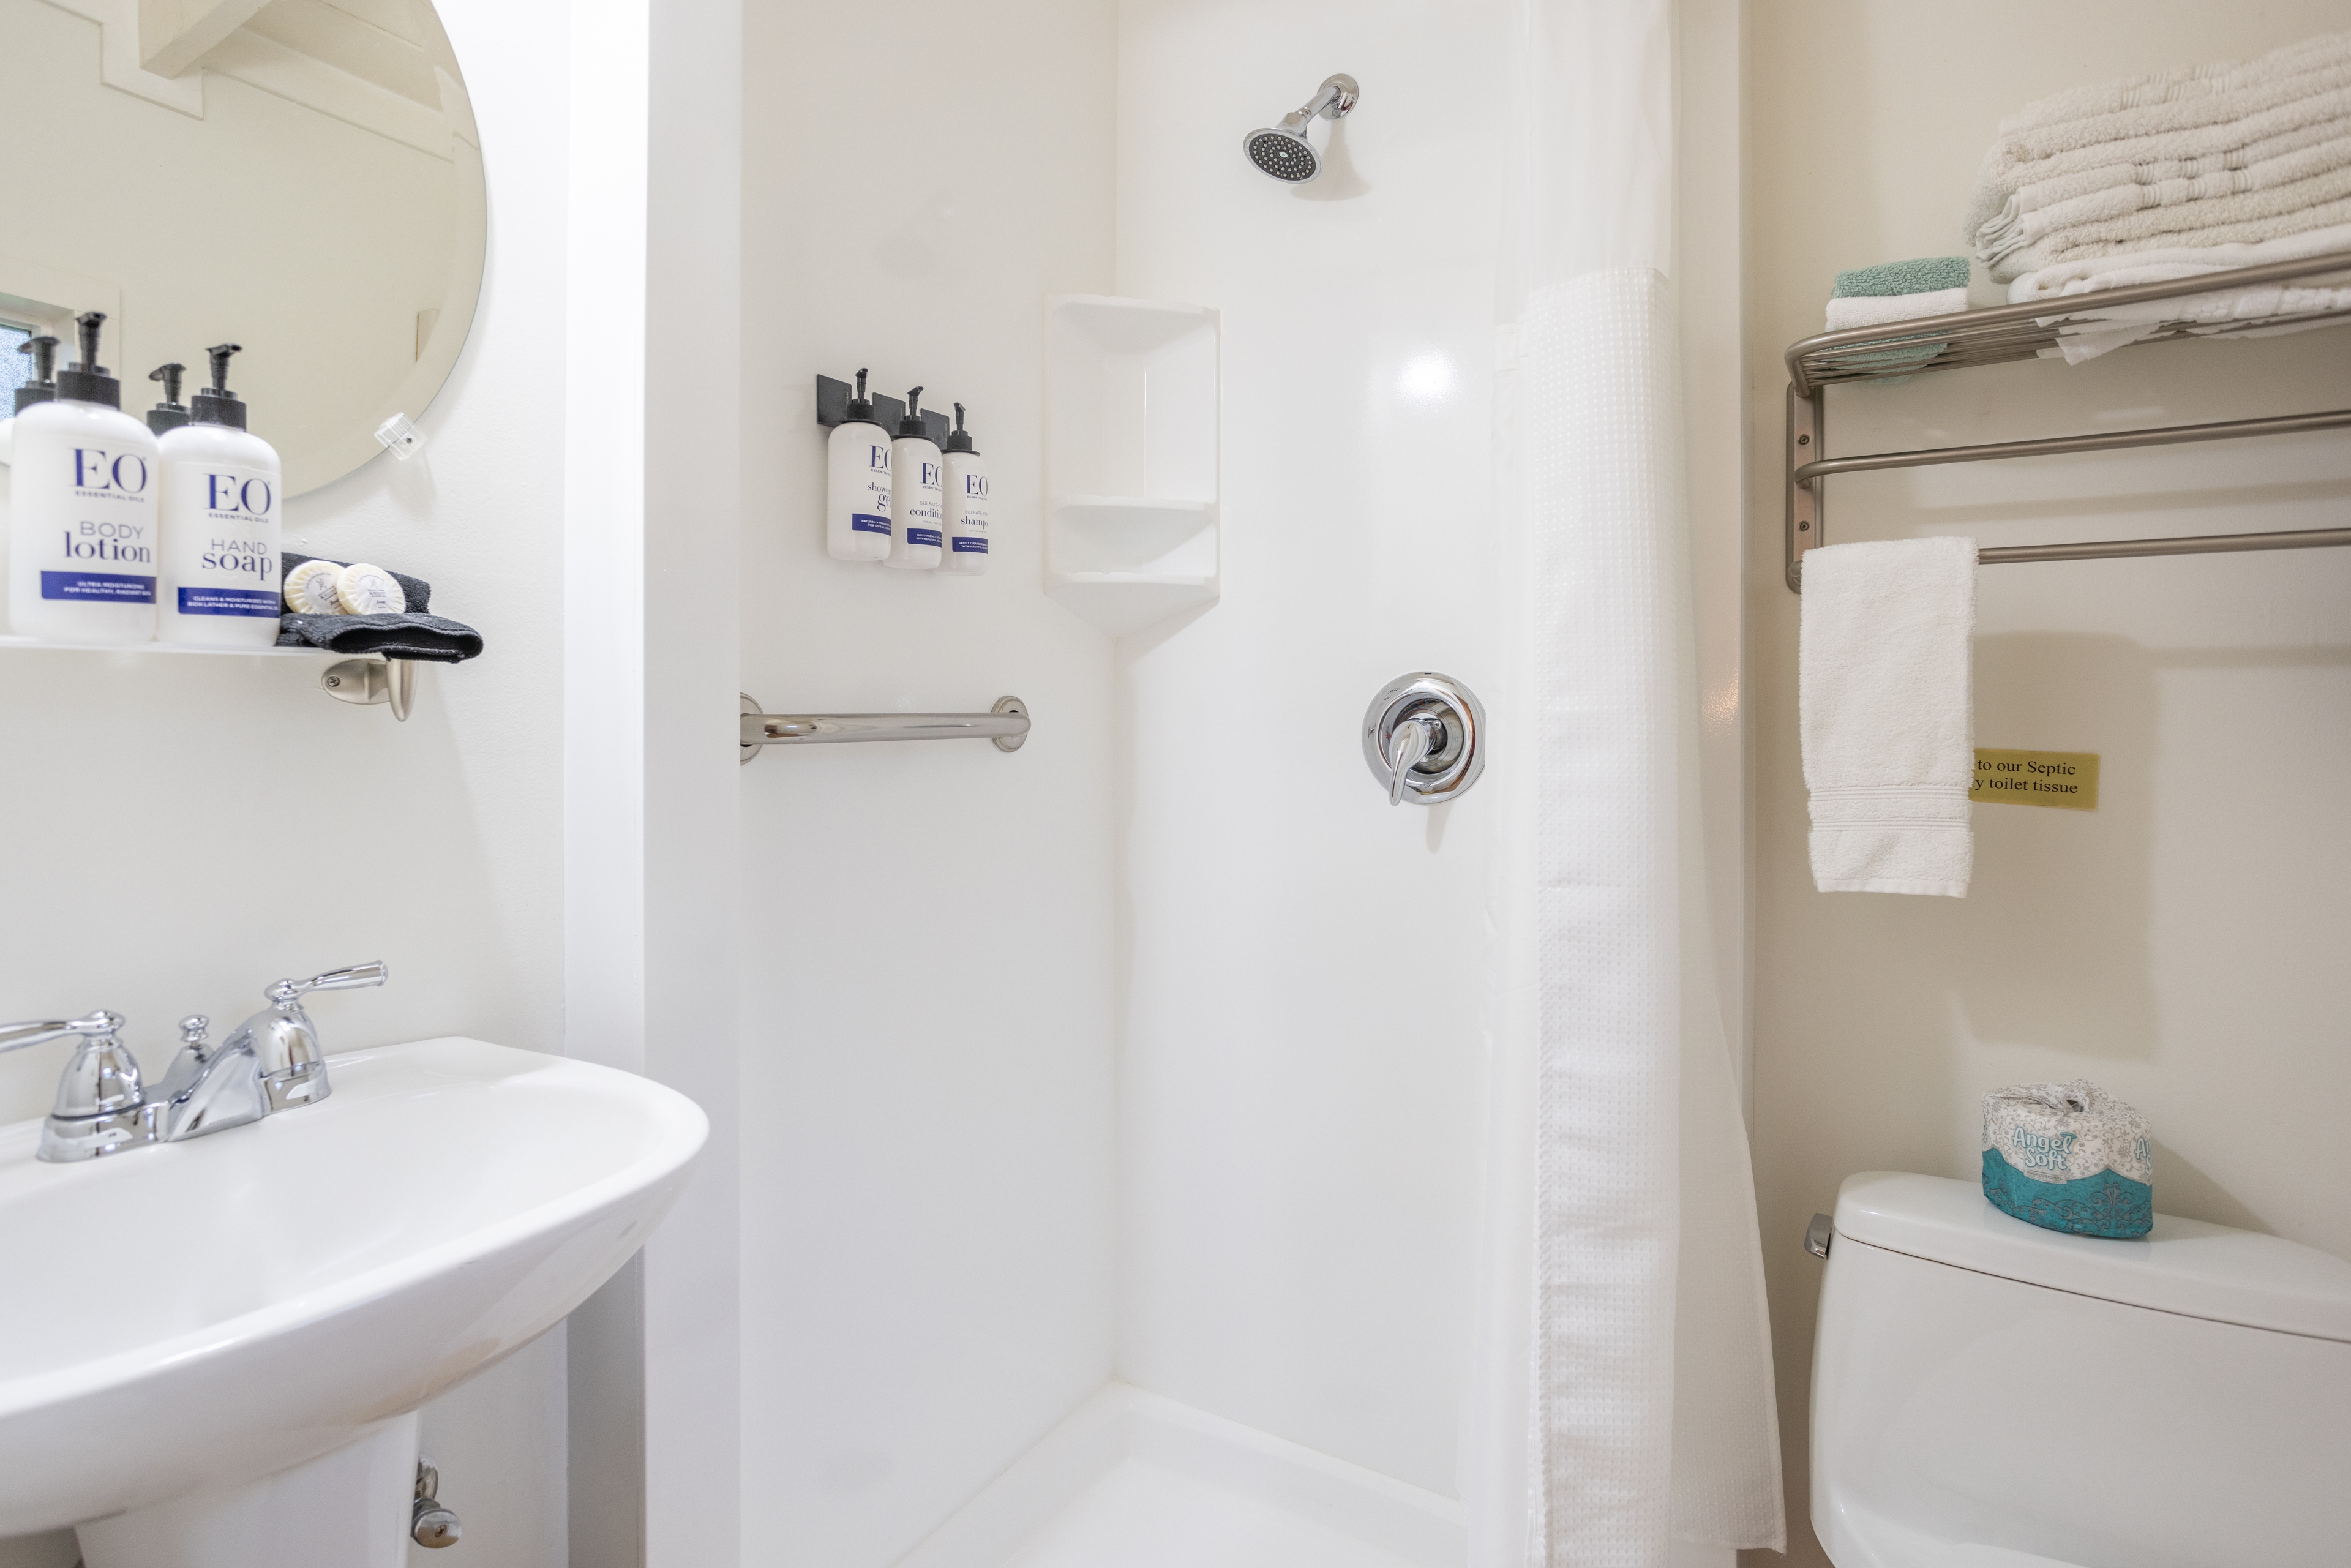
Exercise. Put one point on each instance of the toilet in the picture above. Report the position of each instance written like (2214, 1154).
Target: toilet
(1987, 1394)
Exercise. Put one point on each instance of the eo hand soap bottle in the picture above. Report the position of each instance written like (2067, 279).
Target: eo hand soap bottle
(82, 558)
(219, 525)
(857, 483)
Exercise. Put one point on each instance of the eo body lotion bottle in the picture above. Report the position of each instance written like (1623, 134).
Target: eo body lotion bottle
(857, 483)
(966, 503)
(219, 525)
(916, 477)
(81, 557)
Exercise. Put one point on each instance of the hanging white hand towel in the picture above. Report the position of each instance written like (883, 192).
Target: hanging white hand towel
(1887, 704)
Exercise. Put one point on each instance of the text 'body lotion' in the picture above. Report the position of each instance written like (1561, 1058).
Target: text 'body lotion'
(219, 580)
(966, 503)
(857, 483)
(81, 554)
(916, 491)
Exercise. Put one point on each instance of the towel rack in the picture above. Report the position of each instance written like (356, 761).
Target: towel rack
(2021, 332)
(1006, 724)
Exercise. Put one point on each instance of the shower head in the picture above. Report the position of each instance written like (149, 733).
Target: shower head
(1282, 151)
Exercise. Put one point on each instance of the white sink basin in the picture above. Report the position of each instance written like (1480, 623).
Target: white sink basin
(182, 1322)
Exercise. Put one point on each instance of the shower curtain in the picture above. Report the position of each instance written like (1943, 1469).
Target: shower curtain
(1624, 1397)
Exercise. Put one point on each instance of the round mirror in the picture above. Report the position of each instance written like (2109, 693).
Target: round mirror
(301, 177)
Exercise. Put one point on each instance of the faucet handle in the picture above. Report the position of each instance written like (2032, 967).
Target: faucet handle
(352, 978)
(192, 1028)
(101, 1023)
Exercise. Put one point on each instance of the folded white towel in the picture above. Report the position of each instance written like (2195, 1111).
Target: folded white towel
(1886, 701)
(2249, 219)
(2205, 128)
(1876, 310)
(2089, 331)
(2186, 187)
(2038, 190)
(2163, 264)
(2184, 82)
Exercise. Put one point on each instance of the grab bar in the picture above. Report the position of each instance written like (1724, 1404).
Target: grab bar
(1006, 724)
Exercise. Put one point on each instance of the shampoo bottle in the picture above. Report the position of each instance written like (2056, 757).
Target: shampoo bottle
(966, 503)
(40, 389)
(219, 497)
(82, 558)
(914, 470)
(857, 483)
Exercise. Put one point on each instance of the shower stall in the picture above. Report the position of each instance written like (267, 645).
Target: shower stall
(1139, 1154)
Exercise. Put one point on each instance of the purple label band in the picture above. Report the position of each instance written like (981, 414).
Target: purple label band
(966, 544)
(922, 535)
(867, 523)
(98, 588)
(227, 602)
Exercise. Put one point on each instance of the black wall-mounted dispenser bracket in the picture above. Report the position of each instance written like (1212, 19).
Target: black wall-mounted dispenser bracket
(832, 407)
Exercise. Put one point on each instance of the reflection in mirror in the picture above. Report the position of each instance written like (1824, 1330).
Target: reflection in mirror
(302, 177)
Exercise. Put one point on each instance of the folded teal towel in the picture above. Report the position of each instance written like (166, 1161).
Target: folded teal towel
(1927, 272)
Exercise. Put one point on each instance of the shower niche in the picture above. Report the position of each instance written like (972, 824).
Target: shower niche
(1130, 459)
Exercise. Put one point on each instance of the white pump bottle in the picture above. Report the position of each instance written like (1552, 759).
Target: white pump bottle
(916, 491)
(82, 533)
(220, 526)
(966, 503)
(857, 488)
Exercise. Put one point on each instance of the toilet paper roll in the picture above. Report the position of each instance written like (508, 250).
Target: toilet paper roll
(2069, 1157)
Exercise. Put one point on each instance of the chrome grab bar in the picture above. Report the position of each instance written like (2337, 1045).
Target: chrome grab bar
(1006, 724)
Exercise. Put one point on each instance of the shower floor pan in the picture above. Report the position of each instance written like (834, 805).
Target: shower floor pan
(1135, 1480)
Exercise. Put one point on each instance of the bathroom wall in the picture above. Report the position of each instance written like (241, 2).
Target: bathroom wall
(927, 928)
(1302, 967)
(184, 830)
(2181, 945)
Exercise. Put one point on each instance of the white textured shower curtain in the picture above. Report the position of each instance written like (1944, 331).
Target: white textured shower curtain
(1623, 1397)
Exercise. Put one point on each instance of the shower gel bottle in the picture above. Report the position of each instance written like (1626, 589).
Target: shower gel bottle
(966, 503)
(219, 556)
(81, 557)
(857, 483)
(915, 478)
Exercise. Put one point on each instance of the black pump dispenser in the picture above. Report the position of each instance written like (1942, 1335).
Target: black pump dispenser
(171, 414)
(43, 387)
(86, 380)
(217, 405)
(913, 423)
(959, 439)
(861, 407)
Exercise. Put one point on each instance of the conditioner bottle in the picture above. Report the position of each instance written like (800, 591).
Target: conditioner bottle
(915, 469)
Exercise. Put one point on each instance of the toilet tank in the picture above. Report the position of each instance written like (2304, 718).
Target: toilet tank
(1989, 1395)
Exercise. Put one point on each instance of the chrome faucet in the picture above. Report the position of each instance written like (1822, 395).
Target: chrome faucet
(269, 1062)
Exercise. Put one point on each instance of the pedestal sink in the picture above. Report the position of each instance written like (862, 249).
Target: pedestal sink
(211, 1352)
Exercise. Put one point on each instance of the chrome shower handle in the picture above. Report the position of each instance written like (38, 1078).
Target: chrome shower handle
(1415, 737)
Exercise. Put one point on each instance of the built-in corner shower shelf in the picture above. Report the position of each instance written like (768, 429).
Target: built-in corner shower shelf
(1131, 532)
(364, 681)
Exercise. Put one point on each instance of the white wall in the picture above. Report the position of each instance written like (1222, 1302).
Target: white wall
(926, 1069)
(1302, 967)
(2182, 944)
(161, 805)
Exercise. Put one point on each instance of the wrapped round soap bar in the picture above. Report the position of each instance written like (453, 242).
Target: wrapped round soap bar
(364, 589)
(310, 589)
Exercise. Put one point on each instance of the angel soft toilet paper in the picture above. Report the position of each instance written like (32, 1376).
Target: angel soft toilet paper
(2069, 1157)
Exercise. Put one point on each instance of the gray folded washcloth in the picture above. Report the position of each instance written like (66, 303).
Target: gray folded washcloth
(411, 635)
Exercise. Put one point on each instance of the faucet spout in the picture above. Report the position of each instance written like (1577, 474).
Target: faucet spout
(282, 1042)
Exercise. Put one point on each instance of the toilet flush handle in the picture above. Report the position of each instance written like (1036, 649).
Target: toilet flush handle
(1818, 1234)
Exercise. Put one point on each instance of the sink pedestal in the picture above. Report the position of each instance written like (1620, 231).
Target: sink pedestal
(345, 1509)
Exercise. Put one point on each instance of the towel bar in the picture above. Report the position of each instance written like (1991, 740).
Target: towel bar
(1006, 724)
(2014, 332)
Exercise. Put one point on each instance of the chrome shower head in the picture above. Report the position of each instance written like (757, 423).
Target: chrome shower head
(1282, 151)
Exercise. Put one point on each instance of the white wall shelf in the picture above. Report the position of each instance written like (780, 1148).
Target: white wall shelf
(365, 679)
(1131, 535)
(44, 643)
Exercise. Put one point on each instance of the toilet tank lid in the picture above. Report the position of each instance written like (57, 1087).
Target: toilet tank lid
(2182, 1266)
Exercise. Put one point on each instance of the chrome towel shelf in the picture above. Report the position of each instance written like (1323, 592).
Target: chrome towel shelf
(2017, 333)
(1006, 724)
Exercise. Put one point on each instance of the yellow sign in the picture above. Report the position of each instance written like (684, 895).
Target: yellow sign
(2065, 779)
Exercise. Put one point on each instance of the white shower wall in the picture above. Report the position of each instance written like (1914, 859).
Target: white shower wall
(1303, 967)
